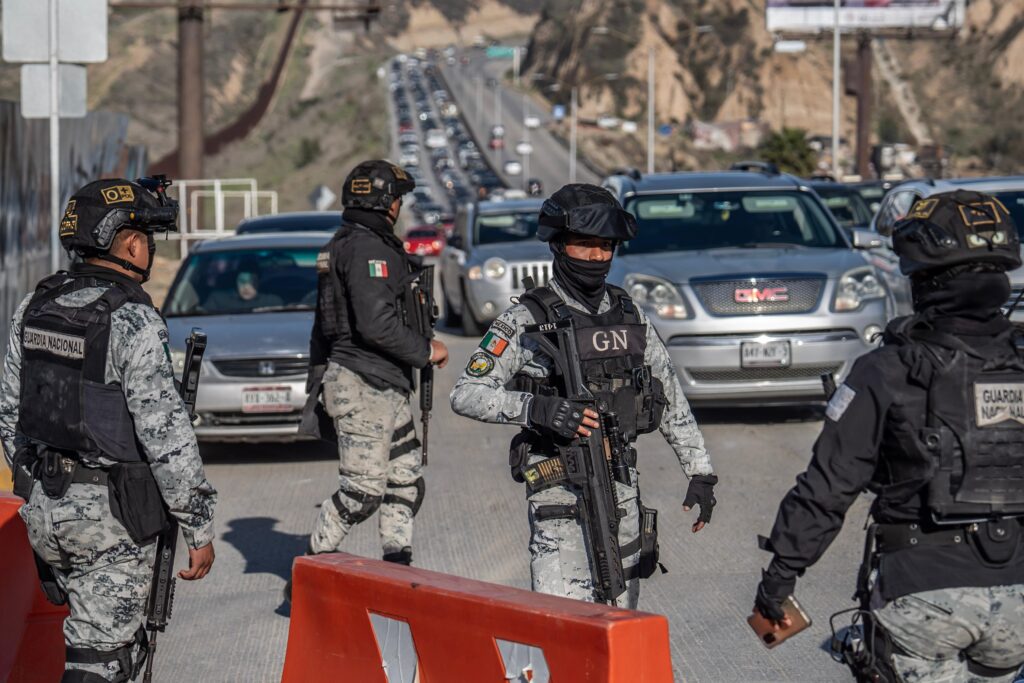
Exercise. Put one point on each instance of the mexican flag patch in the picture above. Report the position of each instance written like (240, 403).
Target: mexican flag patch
(494, 344)
(378, 268)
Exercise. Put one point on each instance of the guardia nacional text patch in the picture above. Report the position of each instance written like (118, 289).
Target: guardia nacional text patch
(995, 403)
(64, 345)
(494, 344)
(480, 364)
(378, 268)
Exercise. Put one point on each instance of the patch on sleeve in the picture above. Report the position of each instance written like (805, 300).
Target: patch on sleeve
(480, 364)
(323, 261)
(839, 402)
(167, 352)
(378, 268)
(494, 344)
(504, 328)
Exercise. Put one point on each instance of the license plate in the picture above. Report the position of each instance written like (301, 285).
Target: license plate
(772, 354)
(267, 400)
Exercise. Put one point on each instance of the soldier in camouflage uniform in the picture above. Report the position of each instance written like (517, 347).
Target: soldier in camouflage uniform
(68, 456)
(363, 350)
(932, 422)
(507, 382)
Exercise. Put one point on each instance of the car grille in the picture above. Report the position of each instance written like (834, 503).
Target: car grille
(540, 272)
(250, 419)
(262, 367)
(790, 374)
(719, 297)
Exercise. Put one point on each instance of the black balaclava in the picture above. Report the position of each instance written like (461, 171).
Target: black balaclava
(584, 281)
(968, 302)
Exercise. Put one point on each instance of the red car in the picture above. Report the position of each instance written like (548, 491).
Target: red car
(424, 240)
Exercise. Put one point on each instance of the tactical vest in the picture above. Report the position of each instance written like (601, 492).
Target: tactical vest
(65, 403)
(611, 348)
(968, 456)
(331, 292)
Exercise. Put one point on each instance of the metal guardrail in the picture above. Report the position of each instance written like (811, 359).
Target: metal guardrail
(222, 192)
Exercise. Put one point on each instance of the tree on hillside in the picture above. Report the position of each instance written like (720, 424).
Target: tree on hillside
(789, 150)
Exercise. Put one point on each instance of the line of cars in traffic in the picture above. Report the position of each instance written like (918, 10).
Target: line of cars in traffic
(751, 277)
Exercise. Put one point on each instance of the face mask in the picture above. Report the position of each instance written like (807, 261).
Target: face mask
(584, 281)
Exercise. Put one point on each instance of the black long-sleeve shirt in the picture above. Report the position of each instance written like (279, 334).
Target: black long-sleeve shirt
(372, 275)
(871, 420)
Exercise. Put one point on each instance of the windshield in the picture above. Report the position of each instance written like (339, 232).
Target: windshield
(722, 220)
(847, 206)
(246, 281)
(1014, 203)
(505, 227)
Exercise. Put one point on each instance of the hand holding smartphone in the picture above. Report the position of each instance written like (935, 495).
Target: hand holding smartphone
(770, 634)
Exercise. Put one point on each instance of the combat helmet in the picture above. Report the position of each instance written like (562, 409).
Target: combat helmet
(375, 185)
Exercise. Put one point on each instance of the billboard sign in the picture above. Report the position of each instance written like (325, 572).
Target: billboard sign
(819, 15)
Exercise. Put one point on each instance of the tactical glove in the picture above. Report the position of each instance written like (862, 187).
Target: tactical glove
(771, 593)
(701, 491)
(556, 415)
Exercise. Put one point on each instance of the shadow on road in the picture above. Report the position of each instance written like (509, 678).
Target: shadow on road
(758, 415)
(266, 550)
(247, 453)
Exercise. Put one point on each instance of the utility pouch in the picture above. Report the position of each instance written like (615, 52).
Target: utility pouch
(135, 501)
(55, 473)
(649, 551)
(51, 588)
(21, 470)
(996, 541)
(518, 452)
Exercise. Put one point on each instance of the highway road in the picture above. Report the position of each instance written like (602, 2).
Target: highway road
(233, 626)
(485, 106)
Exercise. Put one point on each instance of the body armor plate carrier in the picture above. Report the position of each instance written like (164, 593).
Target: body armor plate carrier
(66, 404)
(611, 347)
(973, 437)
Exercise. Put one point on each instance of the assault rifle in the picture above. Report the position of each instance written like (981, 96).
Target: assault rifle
(591, 465)
(161, 592)
(427, 316)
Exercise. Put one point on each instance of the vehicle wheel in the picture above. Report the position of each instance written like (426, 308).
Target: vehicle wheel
(470, 327)
(452, 320)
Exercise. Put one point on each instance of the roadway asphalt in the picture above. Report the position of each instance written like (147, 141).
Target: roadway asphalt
(232, 625)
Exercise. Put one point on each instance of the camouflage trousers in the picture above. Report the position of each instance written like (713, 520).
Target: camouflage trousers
(104, 573)
(559, 553)
(941, 630)
(380, 463)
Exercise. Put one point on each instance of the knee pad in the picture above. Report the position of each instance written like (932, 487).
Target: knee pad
(367, 506)
(982, 671)
(415, 503)
(129, 665)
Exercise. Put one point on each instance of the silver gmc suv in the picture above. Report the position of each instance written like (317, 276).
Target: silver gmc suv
(750, 282)
(492, 248)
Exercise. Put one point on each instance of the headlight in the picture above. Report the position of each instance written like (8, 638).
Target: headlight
(855, 288)
(659, 295)
(475, 273)
(177, 361)
(495, 268)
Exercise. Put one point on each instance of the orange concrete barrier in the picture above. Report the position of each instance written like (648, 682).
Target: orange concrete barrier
(454, 623)
(31, 637)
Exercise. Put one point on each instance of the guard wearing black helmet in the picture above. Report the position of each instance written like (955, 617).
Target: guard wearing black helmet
(99, 442)
(364, 348)
(510, 380)
(932, 423)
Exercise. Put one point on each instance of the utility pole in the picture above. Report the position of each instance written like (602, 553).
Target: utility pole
(650, 109)
(835, 91)
(191, 136)
(572, 135)
(191, 88)
(864, 88)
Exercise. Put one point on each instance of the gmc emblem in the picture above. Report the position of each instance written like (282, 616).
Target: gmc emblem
(754, 295)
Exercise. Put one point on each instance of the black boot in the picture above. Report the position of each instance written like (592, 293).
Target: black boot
(286, 593)
(403, 556)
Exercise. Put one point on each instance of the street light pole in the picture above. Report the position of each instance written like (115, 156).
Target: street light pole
(650, 109)
(54, 140)
(572, 135)
(835, 90)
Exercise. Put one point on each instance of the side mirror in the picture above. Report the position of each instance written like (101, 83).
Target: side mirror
(866, 239)
(455, 241)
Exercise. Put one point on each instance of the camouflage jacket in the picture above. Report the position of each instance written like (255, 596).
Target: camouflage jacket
(138, 359)
(480, 392)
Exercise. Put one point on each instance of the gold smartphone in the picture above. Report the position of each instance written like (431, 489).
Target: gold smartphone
(766, 631)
